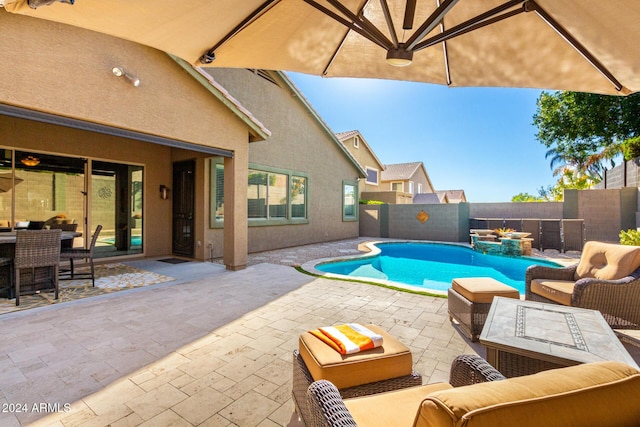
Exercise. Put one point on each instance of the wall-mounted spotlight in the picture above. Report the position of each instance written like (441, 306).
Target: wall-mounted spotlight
(164, 192)
(34, 4)
(119, 72)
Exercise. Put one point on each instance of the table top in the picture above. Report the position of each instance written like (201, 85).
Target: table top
(551, 332)
(10, 237)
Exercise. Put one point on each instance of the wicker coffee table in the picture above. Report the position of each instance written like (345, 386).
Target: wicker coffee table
(525, 337)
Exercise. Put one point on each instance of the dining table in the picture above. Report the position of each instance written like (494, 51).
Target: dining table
(7, 249)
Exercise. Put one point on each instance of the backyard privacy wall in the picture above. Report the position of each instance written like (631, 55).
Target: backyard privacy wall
(605, 213)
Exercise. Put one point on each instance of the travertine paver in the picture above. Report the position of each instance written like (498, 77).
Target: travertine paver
(215, 351)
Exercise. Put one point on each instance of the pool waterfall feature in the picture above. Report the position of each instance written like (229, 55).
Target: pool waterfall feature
(507, 246)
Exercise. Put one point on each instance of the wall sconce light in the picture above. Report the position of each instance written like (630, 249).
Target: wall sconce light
(30, 161)
(164, 192)
(119, 72)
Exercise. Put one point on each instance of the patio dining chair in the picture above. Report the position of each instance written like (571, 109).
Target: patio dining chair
(72, 254)
(36, 261)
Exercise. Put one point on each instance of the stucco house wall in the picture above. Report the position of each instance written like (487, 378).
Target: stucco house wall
(66, 71)
(364, 156)
(299, 142)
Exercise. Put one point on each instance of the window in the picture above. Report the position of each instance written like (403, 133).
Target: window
(372, 176)
(349, 201)
(356, 142)
(273, 196)
(419, 188)
(298, 197)
(397, 186)
(411, 187)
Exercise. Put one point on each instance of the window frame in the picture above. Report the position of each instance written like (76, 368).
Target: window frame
(366, 180)
(257, 222)
(397, 182)
(345, 217)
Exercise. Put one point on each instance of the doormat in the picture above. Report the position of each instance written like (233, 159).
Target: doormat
(174, 260)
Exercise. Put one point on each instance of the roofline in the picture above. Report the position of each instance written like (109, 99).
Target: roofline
(257, 130)
(320, 121)
(368, 147)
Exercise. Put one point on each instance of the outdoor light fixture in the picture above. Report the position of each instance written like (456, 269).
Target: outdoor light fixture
(30, 161)
(164, 192)
(34, 4)
(399, 57)
(119, 72)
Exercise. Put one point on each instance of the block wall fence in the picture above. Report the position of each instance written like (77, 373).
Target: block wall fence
(605, 213)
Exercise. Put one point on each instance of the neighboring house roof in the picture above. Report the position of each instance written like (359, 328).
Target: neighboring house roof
(404, 172)
(343, 136)
(400, 171)
(454, 196)
(427, 198)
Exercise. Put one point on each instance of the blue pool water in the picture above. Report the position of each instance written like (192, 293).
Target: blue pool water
(434, 265)
(135, 240)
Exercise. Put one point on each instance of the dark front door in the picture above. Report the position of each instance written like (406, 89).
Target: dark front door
(183, 207)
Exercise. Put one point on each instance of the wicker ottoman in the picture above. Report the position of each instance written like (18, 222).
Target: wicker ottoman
(470, 300)
(386, 368)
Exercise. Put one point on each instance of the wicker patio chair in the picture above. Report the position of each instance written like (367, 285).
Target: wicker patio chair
(328, 409)
(36, 261)
(302, 378)
(72, 254)
(6, 288)
(66, 243)
(617, 299)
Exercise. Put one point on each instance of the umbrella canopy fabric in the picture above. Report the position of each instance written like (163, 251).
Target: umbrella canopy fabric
(579, 45)
(7, 181)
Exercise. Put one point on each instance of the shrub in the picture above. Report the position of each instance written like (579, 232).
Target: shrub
(630, 237)
(631, 148)
(371, 202)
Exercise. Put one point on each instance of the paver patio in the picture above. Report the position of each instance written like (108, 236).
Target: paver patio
(211, 350)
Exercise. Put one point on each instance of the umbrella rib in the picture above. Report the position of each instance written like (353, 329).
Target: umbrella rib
(579, 47)
(210, 55)
(445, 54)
(466, 27)
(390, 26)
(366, 25)
(430, 23)
(409, 14)
(359, 27)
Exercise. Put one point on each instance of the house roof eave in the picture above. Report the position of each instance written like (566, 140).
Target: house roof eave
(257, 130)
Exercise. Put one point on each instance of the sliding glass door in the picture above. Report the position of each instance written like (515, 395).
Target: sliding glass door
(40, 190)
(116, 203)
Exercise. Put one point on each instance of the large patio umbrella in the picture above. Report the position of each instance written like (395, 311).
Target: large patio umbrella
(579, 45)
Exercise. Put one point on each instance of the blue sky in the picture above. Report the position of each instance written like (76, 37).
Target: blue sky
(480, 140)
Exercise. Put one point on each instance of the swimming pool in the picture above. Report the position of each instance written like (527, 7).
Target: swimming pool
(433, 265)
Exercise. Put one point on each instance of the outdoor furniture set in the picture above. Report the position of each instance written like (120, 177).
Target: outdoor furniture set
(532, 346)
(32, 259)
(377, 387)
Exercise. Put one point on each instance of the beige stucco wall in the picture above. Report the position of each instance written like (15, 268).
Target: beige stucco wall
(298, 143)
(67, 71)
(363, 156)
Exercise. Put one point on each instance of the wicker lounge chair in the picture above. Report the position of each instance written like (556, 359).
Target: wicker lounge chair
(36, 261)
(601, 393)
(606, 279)
(465, 370)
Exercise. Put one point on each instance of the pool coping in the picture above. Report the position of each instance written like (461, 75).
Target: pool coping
(373, 251)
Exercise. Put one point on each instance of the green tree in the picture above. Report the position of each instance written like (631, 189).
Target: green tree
(525, 197)
(585, 132)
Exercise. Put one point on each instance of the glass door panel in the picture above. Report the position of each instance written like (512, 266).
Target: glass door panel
(116, 204)
(48, 190)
